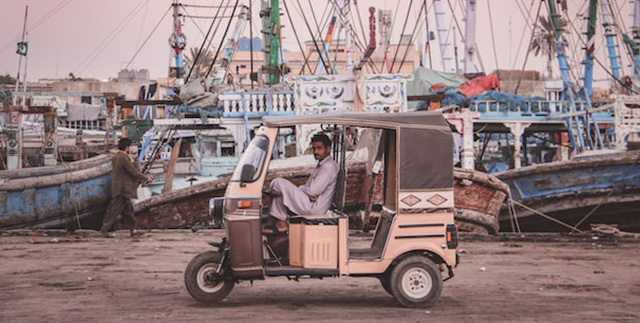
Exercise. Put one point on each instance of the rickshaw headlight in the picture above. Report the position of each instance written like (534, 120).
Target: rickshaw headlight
(244, 204)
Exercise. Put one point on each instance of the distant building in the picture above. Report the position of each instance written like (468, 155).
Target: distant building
(141, 75)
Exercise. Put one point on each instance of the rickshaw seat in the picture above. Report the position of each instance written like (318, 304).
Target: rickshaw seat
(379, 239)
(314, 219)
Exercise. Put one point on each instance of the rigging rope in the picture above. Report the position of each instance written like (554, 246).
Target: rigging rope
(148, 37)
(599, 62)
(415, 27)
(194, 21)
(404, 26)
(428, 39)
(360, 44)
(224, 36)
(295, 33)
(493, 40)
(36, 24)
(105, 42)
(204, 41)
(315, 43)
(526, 57)
(203, 6)
(528, 24)
(364, 34)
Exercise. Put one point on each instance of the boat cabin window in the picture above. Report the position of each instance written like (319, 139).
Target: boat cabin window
(255, 156)
(228, 148)
(209, 149)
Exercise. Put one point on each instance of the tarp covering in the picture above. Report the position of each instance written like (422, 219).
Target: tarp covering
(83, 112)
(480, 85)
(424, 79)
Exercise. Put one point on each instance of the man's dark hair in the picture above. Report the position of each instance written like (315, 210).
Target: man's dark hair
(123, 143)
(322, 138)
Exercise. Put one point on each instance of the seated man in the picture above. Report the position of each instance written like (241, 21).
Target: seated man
(315, 196)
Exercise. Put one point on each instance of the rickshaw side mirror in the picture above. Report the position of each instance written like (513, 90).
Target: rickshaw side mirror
(246, 175)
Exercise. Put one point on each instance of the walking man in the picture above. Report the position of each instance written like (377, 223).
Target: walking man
(124, 187)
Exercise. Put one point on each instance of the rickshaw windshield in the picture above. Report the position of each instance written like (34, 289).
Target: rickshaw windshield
(255, 155)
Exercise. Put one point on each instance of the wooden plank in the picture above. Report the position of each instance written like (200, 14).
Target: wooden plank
(168, 181)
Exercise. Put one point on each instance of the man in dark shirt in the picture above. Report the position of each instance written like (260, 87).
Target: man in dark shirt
(124, 187)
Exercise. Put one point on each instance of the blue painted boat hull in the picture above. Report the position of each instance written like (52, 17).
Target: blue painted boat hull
(69, 196)
(602, 188)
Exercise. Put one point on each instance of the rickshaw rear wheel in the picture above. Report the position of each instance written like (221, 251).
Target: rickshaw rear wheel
(204, 282)
(386, 284)
(416, 281)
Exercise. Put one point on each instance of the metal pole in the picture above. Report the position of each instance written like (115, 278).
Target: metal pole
(590, 49)
(251, 41)
(470, 37)
(347, 28)
(609, 32)
(24, 32)
(445, 46)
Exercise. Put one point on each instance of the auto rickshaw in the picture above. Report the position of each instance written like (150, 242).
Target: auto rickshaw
(415, 239)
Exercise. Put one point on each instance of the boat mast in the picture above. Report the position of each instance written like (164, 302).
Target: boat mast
(445, 46)
(581, 140)
(347, 37)
(567, 92)
(610, 34)
(634, 43)
(384, 18)
(23, 47)
(270, 14)
(470, 37)
(178, 42)
(231, 46)
(329, 38)
(587, 85)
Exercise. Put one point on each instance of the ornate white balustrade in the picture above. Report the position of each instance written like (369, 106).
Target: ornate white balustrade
(256, 104)
(627, 119)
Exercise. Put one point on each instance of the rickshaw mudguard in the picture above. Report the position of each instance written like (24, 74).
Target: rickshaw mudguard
(243, 226)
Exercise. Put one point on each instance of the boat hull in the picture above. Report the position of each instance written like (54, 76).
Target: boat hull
(601, 189)
(69, 196)
(478, 198)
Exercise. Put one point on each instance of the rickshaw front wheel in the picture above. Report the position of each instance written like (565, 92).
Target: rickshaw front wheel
(416, 281)
(204, 282)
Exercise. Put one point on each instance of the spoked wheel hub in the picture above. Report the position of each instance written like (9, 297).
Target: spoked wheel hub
(208, 279)
(417, 283)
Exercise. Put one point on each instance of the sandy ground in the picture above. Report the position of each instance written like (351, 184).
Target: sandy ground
(87, 278)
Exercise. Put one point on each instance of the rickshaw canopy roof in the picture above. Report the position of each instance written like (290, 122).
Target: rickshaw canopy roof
(424, 141)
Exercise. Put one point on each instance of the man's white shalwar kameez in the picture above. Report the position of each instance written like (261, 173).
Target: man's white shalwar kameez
(321, 184)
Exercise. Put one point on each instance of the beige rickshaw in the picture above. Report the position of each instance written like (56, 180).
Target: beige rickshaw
(415, 239)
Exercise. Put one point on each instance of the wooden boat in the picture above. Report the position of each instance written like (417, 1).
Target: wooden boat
(478, 198)
(602, 188)
(68, 196)
(183, 207)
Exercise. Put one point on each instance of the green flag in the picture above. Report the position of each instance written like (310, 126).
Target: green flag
(22, 48)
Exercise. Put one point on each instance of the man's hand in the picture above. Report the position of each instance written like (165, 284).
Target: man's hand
(313, 199)
(150, 179)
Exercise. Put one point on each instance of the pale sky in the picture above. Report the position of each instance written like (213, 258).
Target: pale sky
(97, 38)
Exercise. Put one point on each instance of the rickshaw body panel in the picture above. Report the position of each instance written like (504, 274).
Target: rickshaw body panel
(243, 225)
